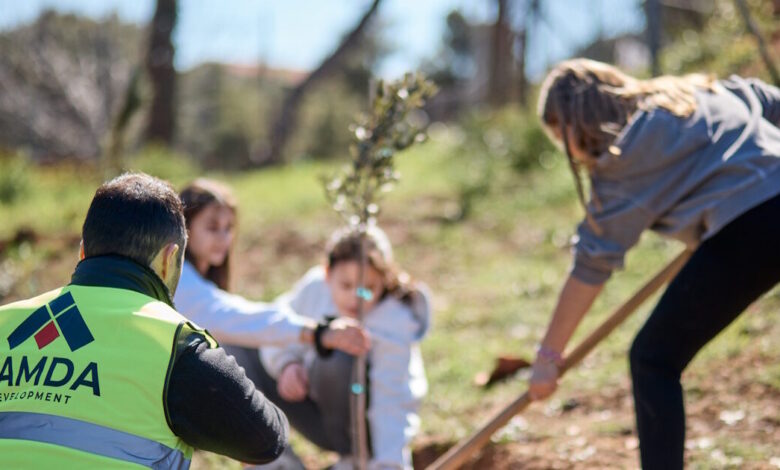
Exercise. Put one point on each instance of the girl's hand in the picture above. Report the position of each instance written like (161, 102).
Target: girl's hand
(575, 300)
(293, 384)
(346, 334)
(544, 379)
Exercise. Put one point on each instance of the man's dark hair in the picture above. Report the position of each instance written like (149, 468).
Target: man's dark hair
(133, 215)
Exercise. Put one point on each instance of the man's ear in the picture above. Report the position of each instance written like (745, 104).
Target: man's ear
(81, 250)
(168, 259)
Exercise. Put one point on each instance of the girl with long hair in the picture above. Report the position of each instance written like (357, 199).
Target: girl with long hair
(692, 158)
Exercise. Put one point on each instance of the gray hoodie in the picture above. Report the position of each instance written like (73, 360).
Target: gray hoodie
(396, 373)
(685, 178)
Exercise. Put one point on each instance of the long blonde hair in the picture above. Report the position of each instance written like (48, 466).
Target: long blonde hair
(587, 103)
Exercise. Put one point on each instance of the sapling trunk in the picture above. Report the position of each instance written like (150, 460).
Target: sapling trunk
(354, 194)
(358, 389)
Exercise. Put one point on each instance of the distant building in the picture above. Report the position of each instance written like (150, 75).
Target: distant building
(628, 52)
(288, 77)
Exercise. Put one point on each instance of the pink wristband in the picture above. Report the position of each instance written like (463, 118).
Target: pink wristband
(549, 355)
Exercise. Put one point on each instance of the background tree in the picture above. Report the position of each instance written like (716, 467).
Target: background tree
(453, 63)
(62, 79)
(711, 36)
(653, 15)
(531, 16)
(285, 122)
(501, 55)
(752, 27)
(328, 110)
(159, 66)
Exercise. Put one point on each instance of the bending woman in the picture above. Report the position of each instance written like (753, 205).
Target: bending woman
(691, 158)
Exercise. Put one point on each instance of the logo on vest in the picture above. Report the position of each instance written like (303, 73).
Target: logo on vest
(60, 316)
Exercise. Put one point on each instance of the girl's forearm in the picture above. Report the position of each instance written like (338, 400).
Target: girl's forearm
(574, 302)
(307, 331)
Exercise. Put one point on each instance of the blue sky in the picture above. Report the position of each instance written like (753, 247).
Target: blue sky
(299, 33)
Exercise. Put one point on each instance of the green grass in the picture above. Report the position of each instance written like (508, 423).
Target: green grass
(495, 276)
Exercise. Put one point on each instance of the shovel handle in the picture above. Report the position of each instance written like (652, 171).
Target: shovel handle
(455, 457)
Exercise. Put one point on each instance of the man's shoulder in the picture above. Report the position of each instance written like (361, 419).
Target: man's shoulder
(161, 310)
(33, 302)
(120, 299)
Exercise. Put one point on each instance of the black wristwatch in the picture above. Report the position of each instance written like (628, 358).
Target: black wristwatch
(323, 325)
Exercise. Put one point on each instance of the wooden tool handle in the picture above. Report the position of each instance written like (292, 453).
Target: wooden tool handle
(455, 457)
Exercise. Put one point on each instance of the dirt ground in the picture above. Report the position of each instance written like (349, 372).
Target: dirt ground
(597, 431)
(590, 430)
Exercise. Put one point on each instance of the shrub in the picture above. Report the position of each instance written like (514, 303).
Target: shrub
(14, 179)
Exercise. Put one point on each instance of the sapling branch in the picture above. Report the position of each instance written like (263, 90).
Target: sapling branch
(355, 192)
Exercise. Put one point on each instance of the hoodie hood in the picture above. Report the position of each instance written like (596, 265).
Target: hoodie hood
(402, 320)
(421, 308)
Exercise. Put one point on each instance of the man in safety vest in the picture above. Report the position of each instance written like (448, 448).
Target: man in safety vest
(104, 373)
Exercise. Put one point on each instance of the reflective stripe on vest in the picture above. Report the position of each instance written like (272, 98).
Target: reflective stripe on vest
(91, 438)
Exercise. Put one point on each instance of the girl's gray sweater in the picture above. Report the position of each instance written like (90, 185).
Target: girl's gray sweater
(685, 178)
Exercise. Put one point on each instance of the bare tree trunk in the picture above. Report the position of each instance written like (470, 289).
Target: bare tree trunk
(159, 65)
(522, 81)
(533, 15)
(653, 16)
(753, 29)
(131, 102)
(501, 56)
(286, 120)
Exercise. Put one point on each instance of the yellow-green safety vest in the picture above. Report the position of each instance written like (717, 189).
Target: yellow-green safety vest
(83, 374)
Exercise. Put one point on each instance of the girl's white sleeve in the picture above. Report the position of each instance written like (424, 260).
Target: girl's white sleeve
(232, 319)
(275, 359)
(397, 384)
(302, 298)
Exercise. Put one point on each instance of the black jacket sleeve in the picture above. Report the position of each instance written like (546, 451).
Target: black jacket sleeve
(213, 406)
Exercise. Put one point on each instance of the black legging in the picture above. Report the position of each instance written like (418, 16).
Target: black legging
(323, 416)
(723, 277)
